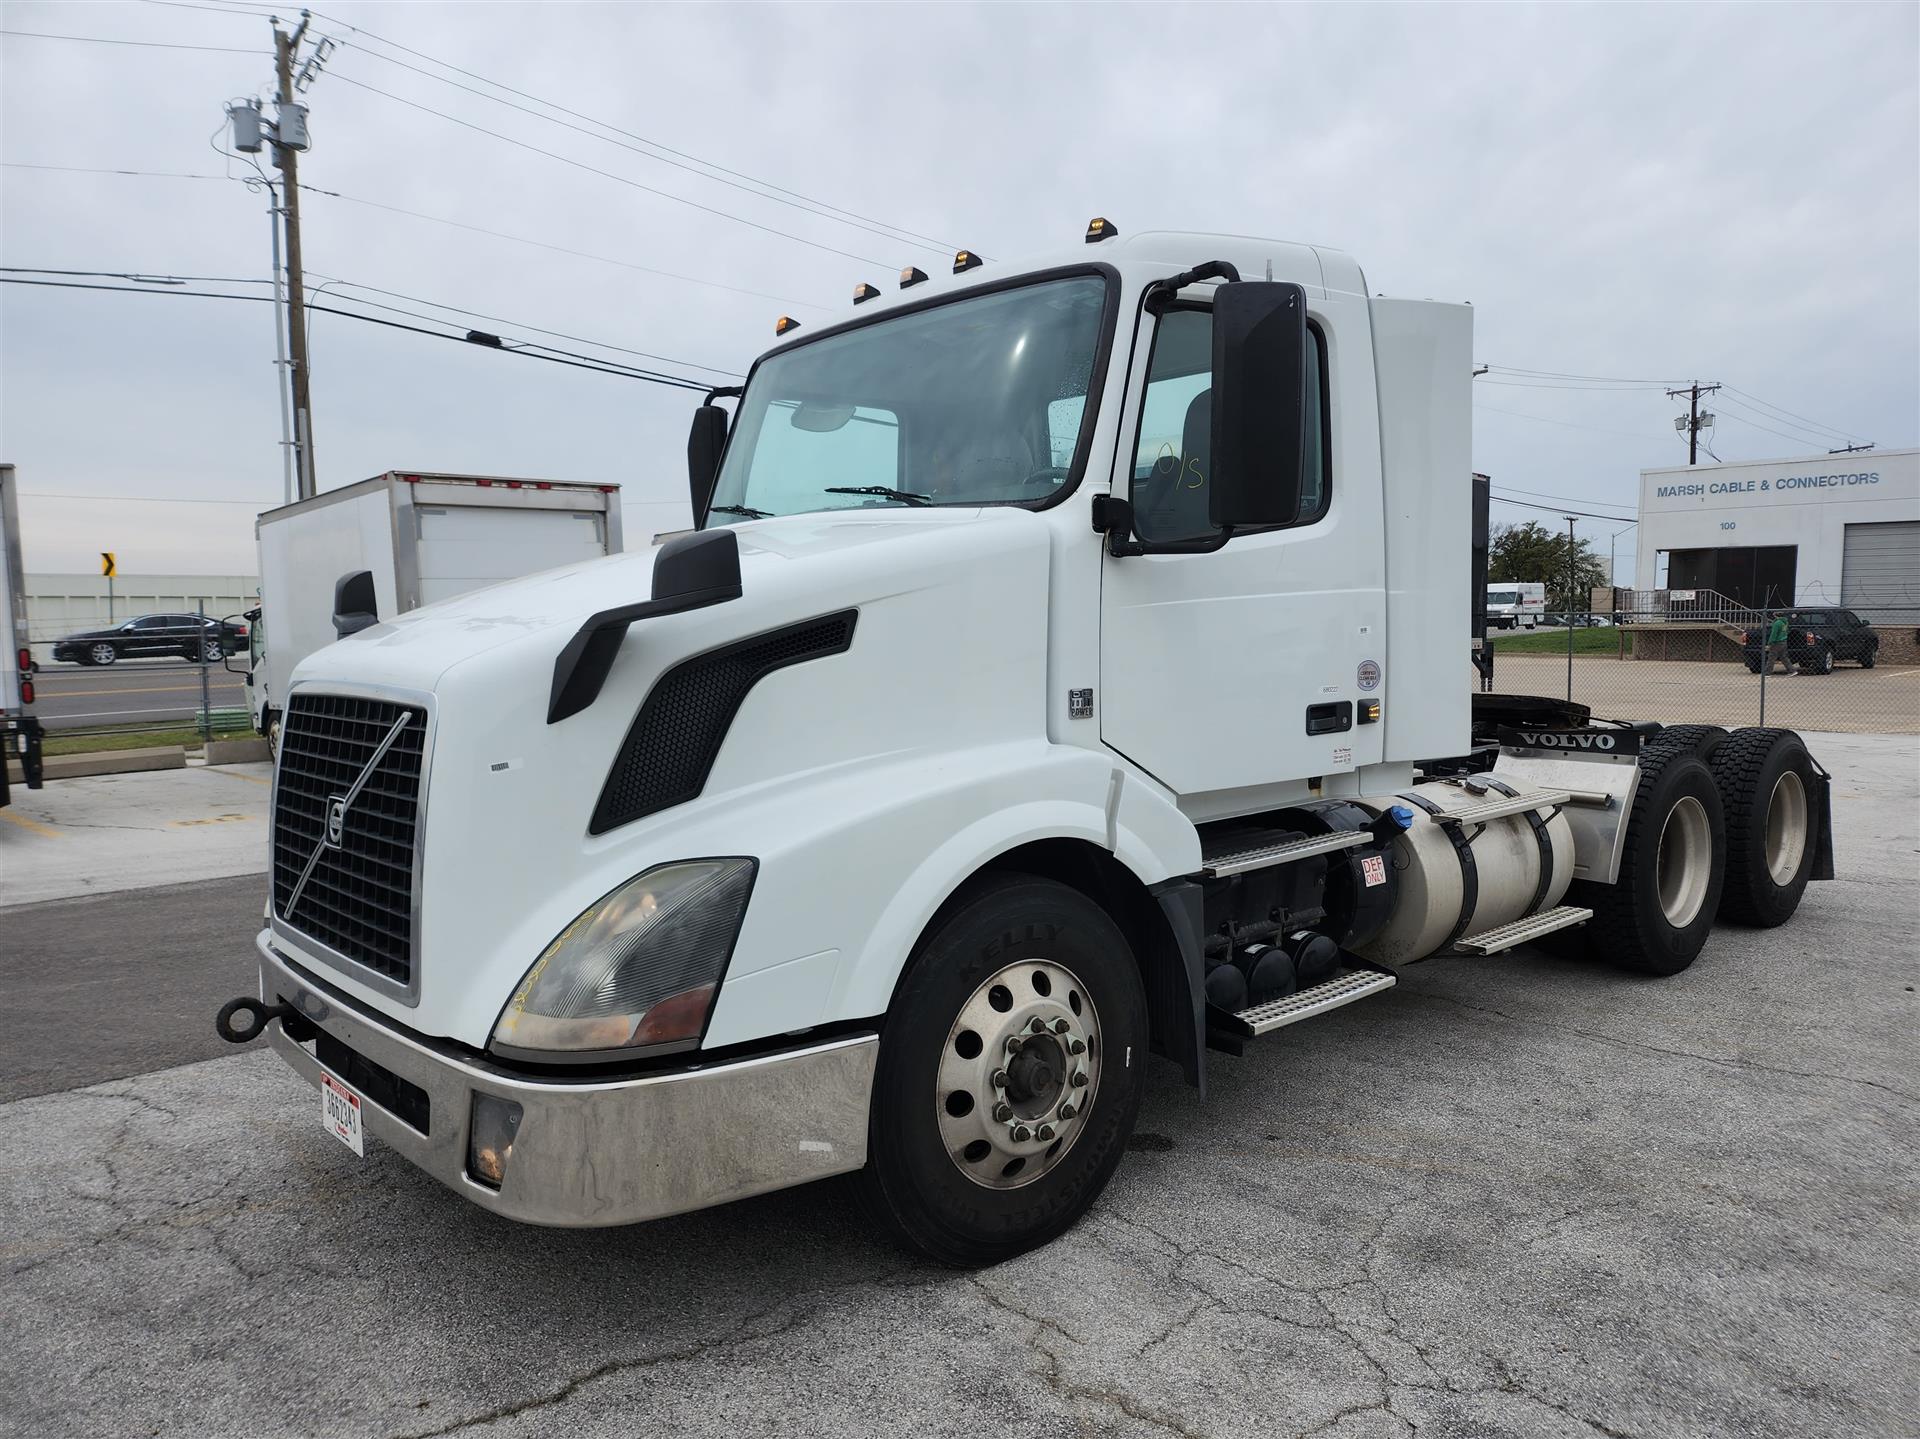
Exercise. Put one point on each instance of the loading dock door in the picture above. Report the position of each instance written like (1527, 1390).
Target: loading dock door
(1880, 570)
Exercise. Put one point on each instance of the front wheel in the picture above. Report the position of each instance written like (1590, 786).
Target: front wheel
(1010, 1072)
(102, 655)
(211, 652)
(1866, 660)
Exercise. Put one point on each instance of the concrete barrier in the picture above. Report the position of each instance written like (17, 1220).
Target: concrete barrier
(238, 751)
(117, 761)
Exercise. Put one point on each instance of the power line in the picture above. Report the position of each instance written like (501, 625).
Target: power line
(1567, 499)
(610, 175)
(543, 352)
(1568, 424)
(885, 232)
(1556, 509)
(134, 499)
(1737, 411)
(1769, 405)
(767, 185)
(1568, 375)
(143, 44)
(145, 275)
(441, 220)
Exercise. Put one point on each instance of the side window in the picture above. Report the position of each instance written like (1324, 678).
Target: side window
(151, 623)
(1171, 450)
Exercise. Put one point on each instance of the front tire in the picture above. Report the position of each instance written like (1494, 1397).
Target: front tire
(977, 1149)
(1672, 870)
(102, 655)
(1766, 782)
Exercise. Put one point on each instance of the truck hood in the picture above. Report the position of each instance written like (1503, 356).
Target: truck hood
(806, 553)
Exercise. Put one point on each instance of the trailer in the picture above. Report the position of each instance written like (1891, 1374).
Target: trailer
(421, 538)
(1068, 665)
(20, 731)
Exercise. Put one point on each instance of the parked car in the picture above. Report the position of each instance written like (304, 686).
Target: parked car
(148, 636)
(1817, 639)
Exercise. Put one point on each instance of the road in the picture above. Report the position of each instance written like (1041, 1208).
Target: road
(132, 691)
(1512, 1198)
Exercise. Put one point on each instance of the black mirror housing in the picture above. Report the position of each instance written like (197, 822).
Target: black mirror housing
(705, 441)
(355, 607)
(1259, 420)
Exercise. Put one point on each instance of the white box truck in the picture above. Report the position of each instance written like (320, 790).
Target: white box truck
(1070, 664)
(422, 537)
(19, 730)
(1514, 603)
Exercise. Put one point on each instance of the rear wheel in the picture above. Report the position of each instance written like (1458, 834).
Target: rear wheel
(1823, 660)
(1009, 1075)
(1700, 739)
(1766, 783)
(1672, 869)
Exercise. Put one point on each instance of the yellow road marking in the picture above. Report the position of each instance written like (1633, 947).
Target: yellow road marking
(29, 824)
(211, 819)
(235, 774)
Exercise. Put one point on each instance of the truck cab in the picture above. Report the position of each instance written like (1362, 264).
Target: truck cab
(1068, 664)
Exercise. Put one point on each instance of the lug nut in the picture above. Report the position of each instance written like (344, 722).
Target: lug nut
(1067, 1111)
(1076, 1046)
(1003, 1112)
(1079, 1078)
(999, 1079)
(1060, 1026)
(1046, 1131)
(1039, 1025)
(1021, 1134)
(1014, 1042)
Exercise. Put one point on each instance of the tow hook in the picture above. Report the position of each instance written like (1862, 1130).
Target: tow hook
(298, 1027)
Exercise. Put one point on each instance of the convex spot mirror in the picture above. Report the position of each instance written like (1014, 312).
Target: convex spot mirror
(821, 419)
(1259, 404)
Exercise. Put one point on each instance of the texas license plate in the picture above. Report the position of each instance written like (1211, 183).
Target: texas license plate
(340, 1113)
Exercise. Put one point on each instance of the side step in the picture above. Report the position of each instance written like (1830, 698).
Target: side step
(1510, 936)
(1342, 989)
(1502, 806)
(1237, 862)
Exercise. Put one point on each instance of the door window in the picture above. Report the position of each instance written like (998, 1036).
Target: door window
(1171, 448)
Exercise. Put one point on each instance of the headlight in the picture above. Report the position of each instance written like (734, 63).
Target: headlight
(638, 970)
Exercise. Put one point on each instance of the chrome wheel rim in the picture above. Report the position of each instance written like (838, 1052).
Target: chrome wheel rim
(1019, 1074)
(1685, 861)
(103, 654)
(1786, 827)
(210, 651)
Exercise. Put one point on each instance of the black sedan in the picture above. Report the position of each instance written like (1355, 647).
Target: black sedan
(151, 636)
(1817, 638)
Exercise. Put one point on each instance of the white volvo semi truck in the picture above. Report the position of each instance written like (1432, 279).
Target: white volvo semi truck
(1068, 665)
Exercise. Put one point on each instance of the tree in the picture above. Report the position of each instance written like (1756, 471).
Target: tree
(1533, 552)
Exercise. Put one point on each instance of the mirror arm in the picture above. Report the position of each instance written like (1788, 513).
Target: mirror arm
(724, 392)
(1162, 291)
(1113, 517)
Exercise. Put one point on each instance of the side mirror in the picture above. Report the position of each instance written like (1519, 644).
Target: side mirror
(1259, 420)
(704, 443)
(354, 606)
(226, 659)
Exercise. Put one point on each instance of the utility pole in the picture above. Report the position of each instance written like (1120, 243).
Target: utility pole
(1850, 450)
(1572, 573)
(290, 137)
(1693, 422)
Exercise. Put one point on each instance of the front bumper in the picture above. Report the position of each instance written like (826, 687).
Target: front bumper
(605, 1151)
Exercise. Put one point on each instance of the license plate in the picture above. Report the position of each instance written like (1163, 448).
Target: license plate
(340, 1113)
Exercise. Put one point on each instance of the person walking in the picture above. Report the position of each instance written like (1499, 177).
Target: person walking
(1777, 645)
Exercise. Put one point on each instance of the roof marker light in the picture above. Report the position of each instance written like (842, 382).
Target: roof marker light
(1099, 229)
(864, 292)
(784, 324)
(964, 261)
(911, 276)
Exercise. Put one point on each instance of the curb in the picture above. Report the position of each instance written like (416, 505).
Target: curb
(120, 761)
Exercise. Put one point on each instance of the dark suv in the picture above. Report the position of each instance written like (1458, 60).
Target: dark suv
(1818, 639)
(149, 636)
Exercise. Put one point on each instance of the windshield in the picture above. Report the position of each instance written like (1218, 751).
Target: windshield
(1503, 597)
(980, 401)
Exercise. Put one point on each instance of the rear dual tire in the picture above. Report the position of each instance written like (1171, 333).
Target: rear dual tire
(1767, 782)
(948, 1171)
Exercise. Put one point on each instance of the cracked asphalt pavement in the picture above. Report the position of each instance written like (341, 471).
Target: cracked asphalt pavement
(1519, 1197)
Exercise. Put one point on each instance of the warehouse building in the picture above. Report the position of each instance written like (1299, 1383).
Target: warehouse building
(1825, 530)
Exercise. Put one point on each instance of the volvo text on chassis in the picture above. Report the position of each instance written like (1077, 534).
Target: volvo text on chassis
(1068, 666)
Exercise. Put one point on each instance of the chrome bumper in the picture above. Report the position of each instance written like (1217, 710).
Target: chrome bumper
(612, 1152)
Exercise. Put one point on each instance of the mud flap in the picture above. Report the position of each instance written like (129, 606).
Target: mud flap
(1823, 821)
(1177, 997)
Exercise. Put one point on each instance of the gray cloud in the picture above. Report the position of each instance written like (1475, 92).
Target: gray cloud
(1732, 193)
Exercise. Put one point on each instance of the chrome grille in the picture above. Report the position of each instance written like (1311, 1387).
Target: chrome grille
(357, 898)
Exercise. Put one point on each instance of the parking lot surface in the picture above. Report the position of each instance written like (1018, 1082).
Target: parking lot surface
(1883, 700)
(1519, 1196)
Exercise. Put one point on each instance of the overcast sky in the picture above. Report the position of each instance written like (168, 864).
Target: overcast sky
(1651, 193)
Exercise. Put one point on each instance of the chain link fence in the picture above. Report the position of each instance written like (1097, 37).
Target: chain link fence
(1690, 664)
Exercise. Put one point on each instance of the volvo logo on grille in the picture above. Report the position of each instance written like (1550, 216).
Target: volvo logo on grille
(335, 829)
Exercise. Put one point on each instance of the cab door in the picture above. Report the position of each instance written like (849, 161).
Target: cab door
(1229, 672)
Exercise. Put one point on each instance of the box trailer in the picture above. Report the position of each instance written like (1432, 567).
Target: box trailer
(19, 730)
(422, 538)
(1070, 663)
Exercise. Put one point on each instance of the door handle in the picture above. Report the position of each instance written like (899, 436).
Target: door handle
(1332, 718)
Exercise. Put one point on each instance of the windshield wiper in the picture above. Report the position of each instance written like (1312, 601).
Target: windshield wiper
(906, 497)
(747, 510)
